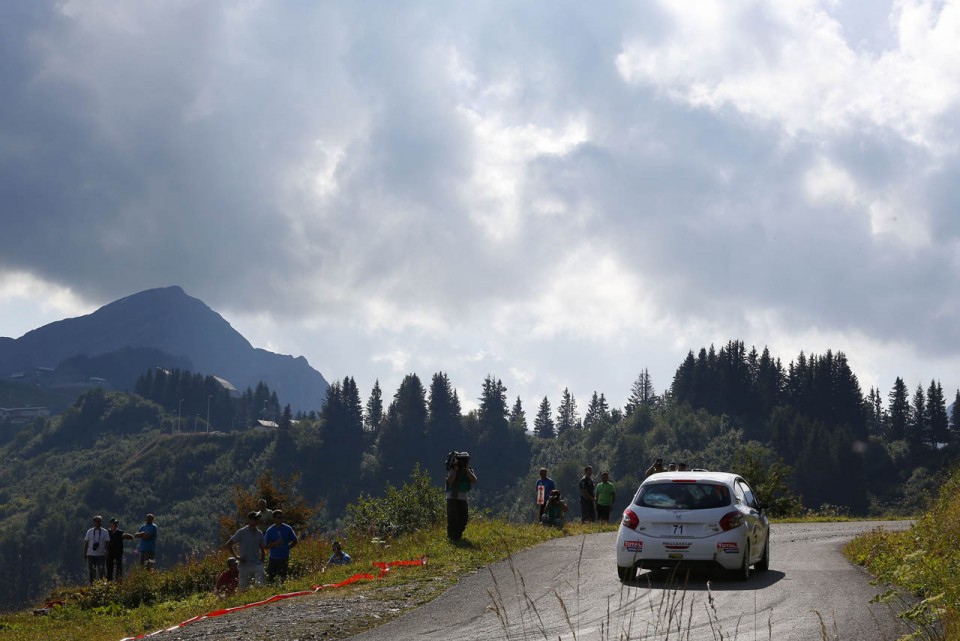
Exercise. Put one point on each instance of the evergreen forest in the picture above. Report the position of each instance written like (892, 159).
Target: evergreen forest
(804, 434)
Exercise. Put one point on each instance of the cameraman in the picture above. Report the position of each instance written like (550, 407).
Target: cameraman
(656, 468)
(460, 478)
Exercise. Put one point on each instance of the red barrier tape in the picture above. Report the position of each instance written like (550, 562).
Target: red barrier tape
(383, 566)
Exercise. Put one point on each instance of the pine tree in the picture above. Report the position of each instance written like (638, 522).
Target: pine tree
(286, 419)
(543, 423)
(518, 418)
(444, 425)
(937, 420)
(598, 412)
(899, 411)
(876, 423)
(567, 417)
(493, 412)
(373, 418)
(642, 393)
(955, 415)
(917, 429)
(402, 437)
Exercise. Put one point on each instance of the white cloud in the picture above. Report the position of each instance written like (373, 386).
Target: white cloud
(795, 69)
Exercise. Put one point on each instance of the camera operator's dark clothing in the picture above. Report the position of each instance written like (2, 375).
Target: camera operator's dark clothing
(458, 512)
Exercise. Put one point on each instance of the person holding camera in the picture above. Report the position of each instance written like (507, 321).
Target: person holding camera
(656, 468)
(95, 549)
(460, 478)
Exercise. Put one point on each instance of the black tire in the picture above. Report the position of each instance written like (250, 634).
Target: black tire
(743, 572)
(764, 563)
(627, 573)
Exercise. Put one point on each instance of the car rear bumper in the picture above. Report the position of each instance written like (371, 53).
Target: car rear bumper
(652, 553)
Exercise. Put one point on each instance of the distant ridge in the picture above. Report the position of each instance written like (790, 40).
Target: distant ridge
(178, 325)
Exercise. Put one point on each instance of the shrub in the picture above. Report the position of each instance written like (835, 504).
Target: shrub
(417, 505)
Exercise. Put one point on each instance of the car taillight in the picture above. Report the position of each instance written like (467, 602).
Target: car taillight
(630, 520)
(731, 520)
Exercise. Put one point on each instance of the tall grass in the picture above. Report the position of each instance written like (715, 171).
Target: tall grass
(924, 561)
(147, 601)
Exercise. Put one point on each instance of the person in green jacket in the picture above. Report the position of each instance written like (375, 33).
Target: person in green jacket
(606, 494)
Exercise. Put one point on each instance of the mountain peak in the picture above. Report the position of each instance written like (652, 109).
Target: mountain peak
(170, 320)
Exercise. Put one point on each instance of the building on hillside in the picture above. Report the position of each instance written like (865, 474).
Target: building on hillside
(228, 386)
(261, 425)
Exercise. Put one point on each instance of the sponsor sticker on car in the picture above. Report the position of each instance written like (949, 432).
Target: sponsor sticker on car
(633, 546)
(730, 547)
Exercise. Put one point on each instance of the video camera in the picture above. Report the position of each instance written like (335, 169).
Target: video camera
(455, 459)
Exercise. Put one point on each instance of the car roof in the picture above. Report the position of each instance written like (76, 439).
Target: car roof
(726, 478)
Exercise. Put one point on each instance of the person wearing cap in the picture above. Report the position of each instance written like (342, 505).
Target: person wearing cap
(227, 581)
(554, 510)
(147, 535)
(460, 478)
(249, 550)
(115, 550)
(95, 549)
(279, 539)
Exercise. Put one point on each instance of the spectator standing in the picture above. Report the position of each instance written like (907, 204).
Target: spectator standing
(227, 581)
(251, 551)
(588, 504)
(147, 535)
(95, 549)
(115, 550)
(264, 514)
(545, 486)
(279, 539)
(460, 478)
(606, 494)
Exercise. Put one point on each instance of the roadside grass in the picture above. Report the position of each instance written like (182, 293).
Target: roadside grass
(149, 601)
(923, 561)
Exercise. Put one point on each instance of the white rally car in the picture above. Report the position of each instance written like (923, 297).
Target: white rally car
(693, 520)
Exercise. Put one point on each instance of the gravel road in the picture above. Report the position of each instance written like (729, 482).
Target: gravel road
(568, 589)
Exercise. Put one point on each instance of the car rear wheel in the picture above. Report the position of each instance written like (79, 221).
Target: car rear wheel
(627, 573)
(743, 572)
(764, 563)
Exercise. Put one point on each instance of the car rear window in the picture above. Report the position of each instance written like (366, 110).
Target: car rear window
(683, 496)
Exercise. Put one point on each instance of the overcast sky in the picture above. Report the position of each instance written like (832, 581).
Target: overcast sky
(560, 194)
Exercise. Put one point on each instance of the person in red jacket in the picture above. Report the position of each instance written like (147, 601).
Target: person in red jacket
(227, 581)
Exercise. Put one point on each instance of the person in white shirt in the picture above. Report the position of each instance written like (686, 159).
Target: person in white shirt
(95, 543)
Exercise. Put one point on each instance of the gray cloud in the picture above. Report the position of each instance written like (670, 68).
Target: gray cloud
(436, 167)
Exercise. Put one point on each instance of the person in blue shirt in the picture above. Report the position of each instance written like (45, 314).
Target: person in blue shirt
(279, 539)
(147, 536)
(545, 486)
(339, 557)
